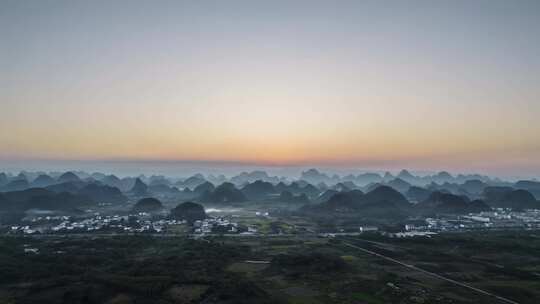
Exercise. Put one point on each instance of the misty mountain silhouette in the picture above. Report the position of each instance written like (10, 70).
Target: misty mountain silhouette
(16, 185)
(3, 179)
(111, 180)
(399, 184)
(39, 198)
(385, 193)
(288, 197)
(325, 196)
(355, 200)
(224, 193)
(70, 187)
(43, 180)
(531, 186)
(188, 211)
(259, 190)
(344, 200)
(495, 194)
(442, 177)
(249, 177)
(383, 202)
(148, 204)
(341, 187)
(163, 190)
(204, 187)
(387, 177)
(103, 193)
(407, 177)
(139, 188)
(68, 177)
(417, 194)
(439, 202)
(510, 198)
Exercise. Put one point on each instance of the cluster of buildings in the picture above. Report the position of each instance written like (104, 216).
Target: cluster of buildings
(134, 223)
(222, 226)
(139, 223)
(497, 219)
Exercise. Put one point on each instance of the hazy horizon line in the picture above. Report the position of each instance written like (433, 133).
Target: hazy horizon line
(184, 167)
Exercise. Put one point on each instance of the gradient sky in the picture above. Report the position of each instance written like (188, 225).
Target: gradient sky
(425, 85)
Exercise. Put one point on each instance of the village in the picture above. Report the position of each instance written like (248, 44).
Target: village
(124, 224)
(97, 223)
(499, 218)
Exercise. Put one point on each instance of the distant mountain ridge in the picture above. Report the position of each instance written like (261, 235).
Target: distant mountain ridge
(224, 193)
(378, 201)
(258, 185)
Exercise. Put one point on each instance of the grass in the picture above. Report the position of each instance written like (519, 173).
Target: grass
(242, 267)
(303, 300)
(349, 258)
(187, 293)
(370, 299)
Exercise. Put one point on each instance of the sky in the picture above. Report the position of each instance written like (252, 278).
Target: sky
(425, 85)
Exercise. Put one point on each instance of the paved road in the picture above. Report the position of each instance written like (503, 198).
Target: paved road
(487, 293)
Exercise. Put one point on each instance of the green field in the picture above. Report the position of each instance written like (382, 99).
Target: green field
(137, 269)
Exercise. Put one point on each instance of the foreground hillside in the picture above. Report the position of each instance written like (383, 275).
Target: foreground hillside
(271, 270)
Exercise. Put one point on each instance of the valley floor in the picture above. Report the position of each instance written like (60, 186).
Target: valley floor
(494, 267)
